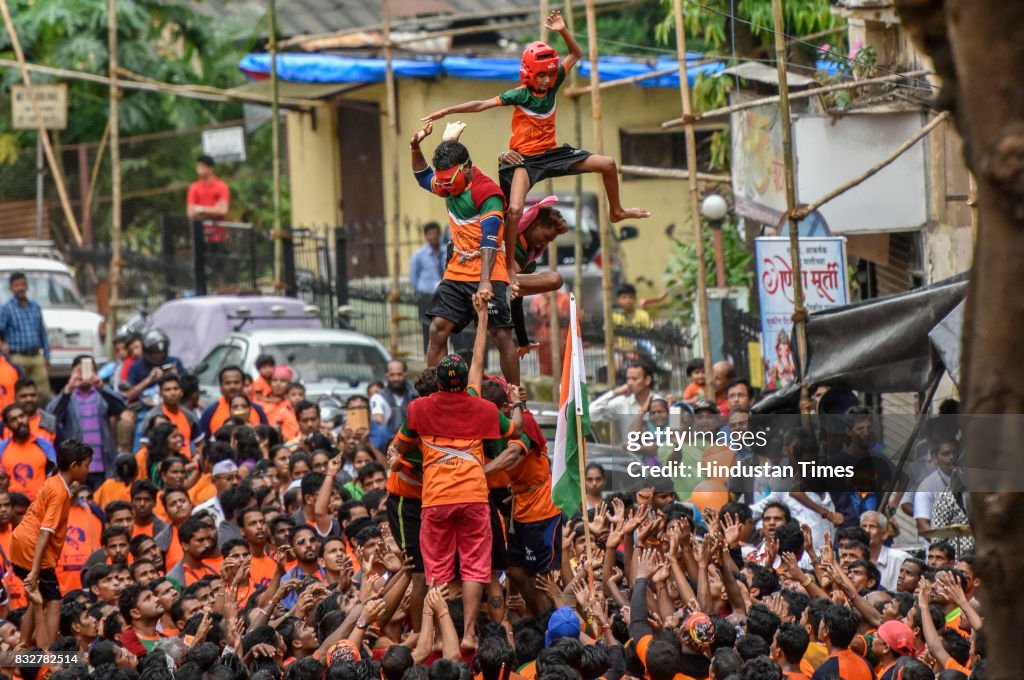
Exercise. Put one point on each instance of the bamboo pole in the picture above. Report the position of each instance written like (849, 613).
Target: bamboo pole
(577, 115)
(553, 330)
(392, 160)
(805, 94)
(603, 230)
(51, 159)
(115, 175)
(802, 212)
(695, 218)
(275, 137)
(672, 173)
(95, 172)
(799, 310)
(200, 92)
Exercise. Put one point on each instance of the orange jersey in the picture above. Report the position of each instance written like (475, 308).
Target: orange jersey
(48, 512)
(531, 488)
(203, 490)
(261, 571)
(8, 376)
(174, 551)
(12, 584)
(112, 490)
(184, 427)
(84, 532)
(453, 463)
(533, 119)
(260, 388)
(481, 200)
(407, 480)
(281, 415)
(25, 464)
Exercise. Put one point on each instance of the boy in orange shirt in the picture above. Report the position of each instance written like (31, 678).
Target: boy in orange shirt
(534, 154)
(25, 458)
(39, 539)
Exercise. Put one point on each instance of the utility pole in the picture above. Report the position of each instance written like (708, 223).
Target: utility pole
(691, 178)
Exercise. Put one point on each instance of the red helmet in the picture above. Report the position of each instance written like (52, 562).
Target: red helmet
(538, 57)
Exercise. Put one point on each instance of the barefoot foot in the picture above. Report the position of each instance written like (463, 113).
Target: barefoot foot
(628, 214)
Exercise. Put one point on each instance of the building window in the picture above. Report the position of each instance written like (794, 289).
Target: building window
(663, 150)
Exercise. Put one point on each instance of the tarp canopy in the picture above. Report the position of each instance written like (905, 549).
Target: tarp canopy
(896, 343)
(336, 68)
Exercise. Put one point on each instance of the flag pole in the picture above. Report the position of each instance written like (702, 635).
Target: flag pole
(582, 458)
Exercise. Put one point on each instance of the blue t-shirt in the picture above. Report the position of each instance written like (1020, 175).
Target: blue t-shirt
(141, 368)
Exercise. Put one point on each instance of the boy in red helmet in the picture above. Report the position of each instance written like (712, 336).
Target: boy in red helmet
(535, 155)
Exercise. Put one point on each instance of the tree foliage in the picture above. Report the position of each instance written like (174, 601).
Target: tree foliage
(681, 276)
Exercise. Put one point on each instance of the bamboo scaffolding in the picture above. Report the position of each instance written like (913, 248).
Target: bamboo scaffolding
(396, 193)
(604, 232)
(275, 140)
(577, 115)
(671, 173)
(115, 175)
(805, 94)
(695, 218)
(51, 159)
(799, 310)
(201, 92)
(553, 329)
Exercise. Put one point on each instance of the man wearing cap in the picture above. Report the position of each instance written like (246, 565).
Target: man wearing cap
(449, 427)
(622, 404)
(564, 623)
(225, 476)
(893, 640)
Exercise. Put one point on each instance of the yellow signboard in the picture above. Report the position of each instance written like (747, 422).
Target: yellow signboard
(51, 101)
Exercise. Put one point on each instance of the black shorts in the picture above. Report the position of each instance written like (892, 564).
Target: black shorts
(499, 535)
(536, 546)
(49, 587)
(404, 519)
(453, 300)
(552, 163)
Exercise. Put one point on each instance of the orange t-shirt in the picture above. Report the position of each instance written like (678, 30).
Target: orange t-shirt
(8, 376)
(48, 511)
(954, 665)
(83, 538)
(261, 570)
(25, 465)
(203, 490)
(112, 490)
(174, 551)
(184, 427)
(453, 466)
(260, 388)
(12, 584)
(147, 530)
(223, 412)
(36, 428)
(531, 489)
(282, 416)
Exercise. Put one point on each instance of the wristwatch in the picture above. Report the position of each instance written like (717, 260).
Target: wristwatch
(362, 623)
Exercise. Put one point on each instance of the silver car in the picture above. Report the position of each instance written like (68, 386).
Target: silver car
(328, 362)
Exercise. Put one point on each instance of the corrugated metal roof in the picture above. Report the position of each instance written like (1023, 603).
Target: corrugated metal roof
(296, 17)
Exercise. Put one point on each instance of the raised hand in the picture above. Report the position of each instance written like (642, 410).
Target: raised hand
(453, 131)
(618, 510)
(732, 528)
(647, 563)
(555, 22)
(805, 529)
(424, 131)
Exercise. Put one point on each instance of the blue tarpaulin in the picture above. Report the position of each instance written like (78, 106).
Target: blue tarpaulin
(333, 68)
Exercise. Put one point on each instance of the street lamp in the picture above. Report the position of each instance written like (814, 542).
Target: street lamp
(714, 209)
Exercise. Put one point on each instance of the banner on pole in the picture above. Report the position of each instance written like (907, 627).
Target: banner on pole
(825, 285)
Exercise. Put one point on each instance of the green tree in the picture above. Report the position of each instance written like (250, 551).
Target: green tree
(681, 276)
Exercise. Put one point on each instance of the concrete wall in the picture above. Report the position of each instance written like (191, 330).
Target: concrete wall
(315, 177)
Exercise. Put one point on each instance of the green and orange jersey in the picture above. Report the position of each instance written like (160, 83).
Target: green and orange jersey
(533, 118)
(407, 480)
(453, 462)
(481, 199)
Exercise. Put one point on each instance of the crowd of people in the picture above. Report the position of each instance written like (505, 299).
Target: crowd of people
(249, 537)
(145, 534)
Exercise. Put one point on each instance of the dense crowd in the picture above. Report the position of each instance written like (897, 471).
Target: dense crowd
(249, 537)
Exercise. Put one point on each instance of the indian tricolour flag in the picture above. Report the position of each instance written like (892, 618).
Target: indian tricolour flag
(573, 422)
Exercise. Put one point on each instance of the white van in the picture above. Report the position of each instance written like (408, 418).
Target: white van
(71, 328)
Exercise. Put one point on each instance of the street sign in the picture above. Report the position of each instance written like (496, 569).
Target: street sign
(50, 100)
(225, 144)
(825, 285)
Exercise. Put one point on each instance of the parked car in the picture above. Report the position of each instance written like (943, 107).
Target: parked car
(593, 249)
(328, 362)
(196, 324)
(71, 328)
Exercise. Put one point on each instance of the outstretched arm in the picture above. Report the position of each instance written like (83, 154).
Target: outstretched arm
(467, 107)
(476, 367)
(419, 163)
(556, 23)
